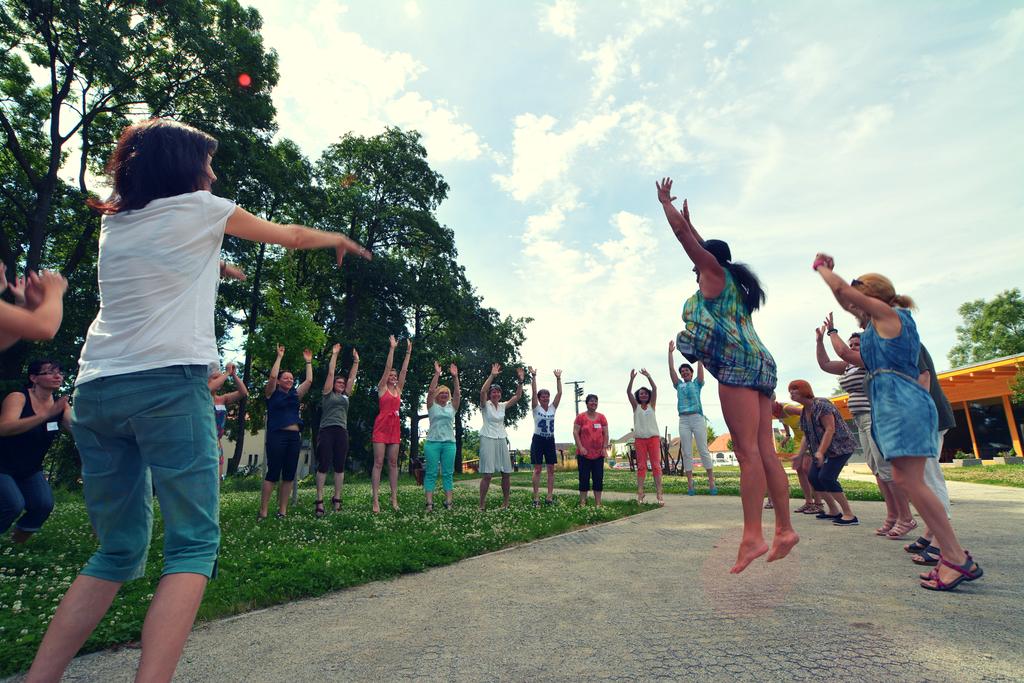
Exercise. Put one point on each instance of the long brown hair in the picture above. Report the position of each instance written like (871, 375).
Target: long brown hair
(154, 159)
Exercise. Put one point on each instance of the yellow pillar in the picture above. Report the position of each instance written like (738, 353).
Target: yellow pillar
(970, 426)
(1014, 434)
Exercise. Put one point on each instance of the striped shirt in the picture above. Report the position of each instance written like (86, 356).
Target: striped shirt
(852, 382)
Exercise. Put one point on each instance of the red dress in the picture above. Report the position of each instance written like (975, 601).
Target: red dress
(387, 427)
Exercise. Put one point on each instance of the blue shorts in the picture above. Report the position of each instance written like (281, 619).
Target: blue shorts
(138, 432)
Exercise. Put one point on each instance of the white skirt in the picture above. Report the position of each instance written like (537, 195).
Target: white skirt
(494, 456)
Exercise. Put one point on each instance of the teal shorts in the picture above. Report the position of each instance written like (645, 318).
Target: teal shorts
(140, 432)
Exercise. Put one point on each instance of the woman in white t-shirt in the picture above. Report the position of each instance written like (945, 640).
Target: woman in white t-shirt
(494, 455)
(142, 417)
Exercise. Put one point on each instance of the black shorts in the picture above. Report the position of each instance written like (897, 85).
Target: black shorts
(282, 455)
(542, 450)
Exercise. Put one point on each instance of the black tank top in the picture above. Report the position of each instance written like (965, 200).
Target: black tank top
(21, 455)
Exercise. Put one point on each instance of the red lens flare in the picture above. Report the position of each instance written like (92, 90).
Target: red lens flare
(244, 80)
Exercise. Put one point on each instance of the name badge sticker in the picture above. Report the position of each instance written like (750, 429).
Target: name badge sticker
(52, 426)
(597, 425)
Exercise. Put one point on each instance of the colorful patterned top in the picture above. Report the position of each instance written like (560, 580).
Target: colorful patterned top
(719, 332)
(688, 397)
(842, 442)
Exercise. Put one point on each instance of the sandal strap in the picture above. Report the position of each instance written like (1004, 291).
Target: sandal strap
(964, 568)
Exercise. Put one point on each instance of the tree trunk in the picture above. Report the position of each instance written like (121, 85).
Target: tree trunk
(250, 329)
(458, 440)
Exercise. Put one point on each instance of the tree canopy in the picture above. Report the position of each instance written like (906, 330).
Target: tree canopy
(72, 75)
(990, 329)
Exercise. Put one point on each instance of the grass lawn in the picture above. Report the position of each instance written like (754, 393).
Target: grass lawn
(272, 561)
(726, 478)
(998, 475)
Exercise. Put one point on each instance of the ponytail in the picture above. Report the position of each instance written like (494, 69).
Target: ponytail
(903, 301)
(749, 284)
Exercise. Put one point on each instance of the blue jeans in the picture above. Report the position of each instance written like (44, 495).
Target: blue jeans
(443, 453)
(141, 431)
(31, 495)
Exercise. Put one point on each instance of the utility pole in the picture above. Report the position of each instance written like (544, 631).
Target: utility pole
(577, 391)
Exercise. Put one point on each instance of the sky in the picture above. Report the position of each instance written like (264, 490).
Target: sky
(886, 134)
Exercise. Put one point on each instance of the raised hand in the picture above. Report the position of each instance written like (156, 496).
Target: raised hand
(665, 190)
(307, 355)
(672, 346)
(685, 213)
(355, 355)
(280, 351)
(349, 246)
(392, 341)
(643, 371)
(830, 322)
(336, 349)
(454, 370)
(17, 289)
(408, 345)
(49, 280)
(521, 374)
(531, 370)
(495, 369)
(819, 332)
(558, 374)
(33, 291)
(822, 259)
(632, 374)
(437, 368)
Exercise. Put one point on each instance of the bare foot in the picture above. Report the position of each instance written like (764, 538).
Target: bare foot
(748, 553)
(376, 507)
(783, 543)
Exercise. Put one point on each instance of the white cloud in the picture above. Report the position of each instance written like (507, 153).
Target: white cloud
(411, 9)
(719, 68)
(446, 138)
(332, 82)
(560, 18)
(813, 68)
(656, 137)
(863, 125)
(614, 52)
(542, 156)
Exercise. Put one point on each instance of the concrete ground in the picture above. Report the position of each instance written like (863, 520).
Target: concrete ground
(648, 598)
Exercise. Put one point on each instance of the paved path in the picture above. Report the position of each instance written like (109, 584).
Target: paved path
(647, 598)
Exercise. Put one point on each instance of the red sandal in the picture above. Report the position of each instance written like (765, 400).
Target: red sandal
(966, 574)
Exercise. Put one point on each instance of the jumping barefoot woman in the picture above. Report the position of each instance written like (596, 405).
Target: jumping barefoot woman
(720, 334)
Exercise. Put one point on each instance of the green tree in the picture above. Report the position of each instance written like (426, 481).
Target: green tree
(991, 329)
(100, 66)
(711, 433)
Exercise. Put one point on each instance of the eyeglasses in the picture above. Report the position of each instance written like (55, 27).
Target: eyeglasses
(855, 282)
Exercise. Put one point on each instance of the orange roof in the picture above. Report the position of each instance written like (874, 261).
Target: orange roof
(720, 444)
